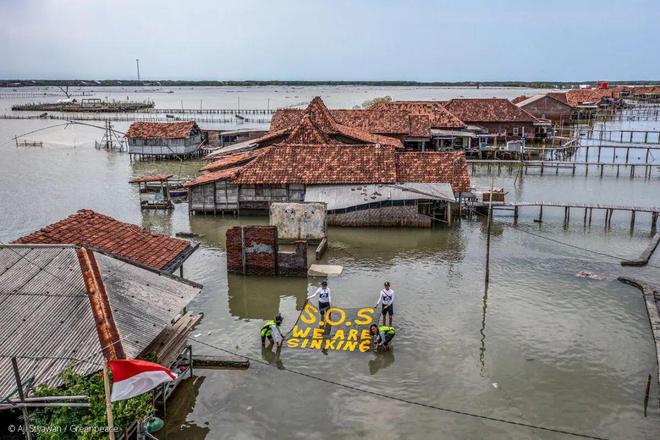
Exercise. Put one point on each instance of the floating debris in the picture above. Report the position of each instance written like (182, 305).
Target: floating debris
(590, 275)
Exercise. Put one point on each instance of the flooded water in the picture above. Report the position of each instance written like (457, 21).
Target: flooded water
(541, 346)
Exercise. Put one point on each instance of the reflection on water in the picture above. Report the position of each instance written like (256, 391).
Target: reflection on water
(178, 425)
(272, 356)
(381, 361)
(259, 297)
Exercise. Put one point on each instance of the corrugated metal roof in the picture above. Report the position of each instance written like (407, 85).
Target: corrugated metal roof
(47, 318)
(347, 196)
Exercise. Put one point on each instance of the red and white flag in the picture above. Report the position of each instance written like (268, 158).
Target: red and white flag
(131, 378)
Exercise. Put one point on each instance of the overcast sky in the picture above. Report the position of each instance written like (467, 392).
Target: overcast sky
(451, 40)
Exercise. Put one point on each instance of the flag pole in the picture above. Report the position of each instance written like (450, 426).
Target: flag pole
(108, 403)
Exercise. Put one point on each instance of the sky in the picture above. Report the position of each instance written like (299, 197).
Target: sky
(457, 40)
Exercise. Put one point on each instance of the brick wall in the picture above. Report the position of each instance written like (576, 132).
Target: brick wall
(385, 216)
(258, 244)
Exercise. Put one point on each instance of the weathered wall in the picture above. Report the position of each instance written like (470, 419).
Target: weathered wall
(252, 252)
(293, 263)
(299, 221)
(507, 127)
(213, 196)
(548, 108)
(385, 216)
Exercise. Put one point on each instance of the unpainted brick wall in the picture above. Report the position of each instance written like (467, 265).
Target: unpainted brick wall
(258, 243)
(258, 246)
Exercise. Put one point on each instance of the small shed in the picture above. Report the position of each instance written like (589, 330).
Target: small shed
(164, 139)
(154, 191)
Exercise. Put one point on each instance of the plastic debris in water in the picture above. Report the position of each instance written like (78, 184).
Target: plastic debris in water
(197, 335)
(495, 385)
(590, 275)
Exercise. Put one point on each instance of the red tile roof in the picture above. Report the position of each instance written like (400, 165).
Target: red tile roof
(518, 99)
(231, 161)
(434, 167)
(488, 110)
(438, 116)
(321, 164)
(88, 228)
(559, 96)
(163, 130)
(390, 118)
(215, 176)
(575, 97)
(317, 125)
(353, 164)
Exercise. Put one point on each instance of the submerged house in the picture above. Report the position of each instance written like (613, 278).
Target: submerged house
(69, 307)
(362, 184)
(498, 118)
(164, 139)
(418, 125)
(123, 240)
(552, 106)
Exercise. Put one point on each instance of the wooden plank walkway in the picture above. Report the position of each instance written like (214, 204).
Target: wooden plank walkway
(587, 208)
(556, 165)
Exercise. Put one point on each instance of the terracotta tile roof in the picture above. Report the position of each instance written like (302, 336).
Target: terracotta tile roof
(88, 228)
(231, 161)
(518, 99)
(575, 97)
(390, 119)
(215, 176)
(317, 125)
(434, 167)
(353, 164)
(164, 130)
(420, 126)
(321, 164)
(386, 122)
(152, 178)
(488, 110)
(439, 116)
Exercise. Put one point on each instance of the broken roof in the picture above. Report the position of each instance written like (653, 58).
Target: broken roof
(162, 130)
(488, 110)
(88, 228)
(151, 178)
(214, 176)
(49, 319)
(231, 161)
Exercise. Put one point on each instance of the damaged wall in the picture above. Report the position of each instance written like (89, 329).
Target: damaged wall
(253, 250)
(299, 221)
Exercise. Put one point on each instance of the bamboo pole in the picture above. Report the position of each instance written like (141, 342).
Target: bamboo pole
(19, 387)
(108, 403)
(490, 221)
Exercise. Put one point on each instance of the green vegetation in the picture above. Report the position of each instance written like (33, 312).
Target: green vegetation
(377, 100)
(85, 423)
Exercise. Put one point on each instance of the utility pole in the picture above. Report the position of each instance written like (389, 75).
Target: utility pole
(137, 62)
(490, 221)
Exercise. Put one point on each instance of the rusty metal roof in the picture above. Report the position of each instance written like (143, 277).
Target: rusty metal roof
(47, 320)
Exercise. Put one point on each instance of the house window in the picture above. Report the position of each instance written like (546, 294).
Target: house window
(515, 131)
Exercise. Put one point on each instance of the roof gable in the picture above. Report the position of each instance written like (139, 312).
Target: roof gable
(163, 130)
(488, 110)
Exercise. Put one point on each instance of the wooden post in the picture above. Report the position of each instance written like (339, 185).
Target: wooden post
(654, 220)
(515, 215)
(632, 221)
(108, 403)
(490, 218)
(541, 214)
(585, 217)
(591, 210)
(19, 387)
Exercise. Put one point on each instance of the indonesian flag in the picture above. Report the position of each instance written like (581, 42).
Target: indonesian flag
(131, 378)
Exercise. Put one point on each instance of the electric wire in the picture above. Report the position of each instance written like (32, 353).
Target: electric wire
(404, 400)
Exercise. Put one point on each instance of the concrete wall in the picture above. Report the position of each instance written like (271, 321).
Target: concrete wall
(293, 263)
(299, 221)
(385, 216)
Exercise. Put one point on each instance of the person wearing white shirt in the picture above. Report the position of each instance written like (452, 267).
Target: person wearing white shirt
(386, 298)
(325, 297)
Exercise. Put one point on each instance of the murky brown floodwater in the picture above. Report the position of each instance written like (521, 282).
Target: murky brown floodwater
(543, 347)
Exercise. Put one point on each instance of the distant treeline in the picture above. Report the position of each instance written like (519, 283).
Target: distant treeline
(180, 83)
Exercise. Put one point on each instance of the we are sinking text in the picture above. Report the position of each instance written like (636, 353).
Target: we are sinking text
(336, 331)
